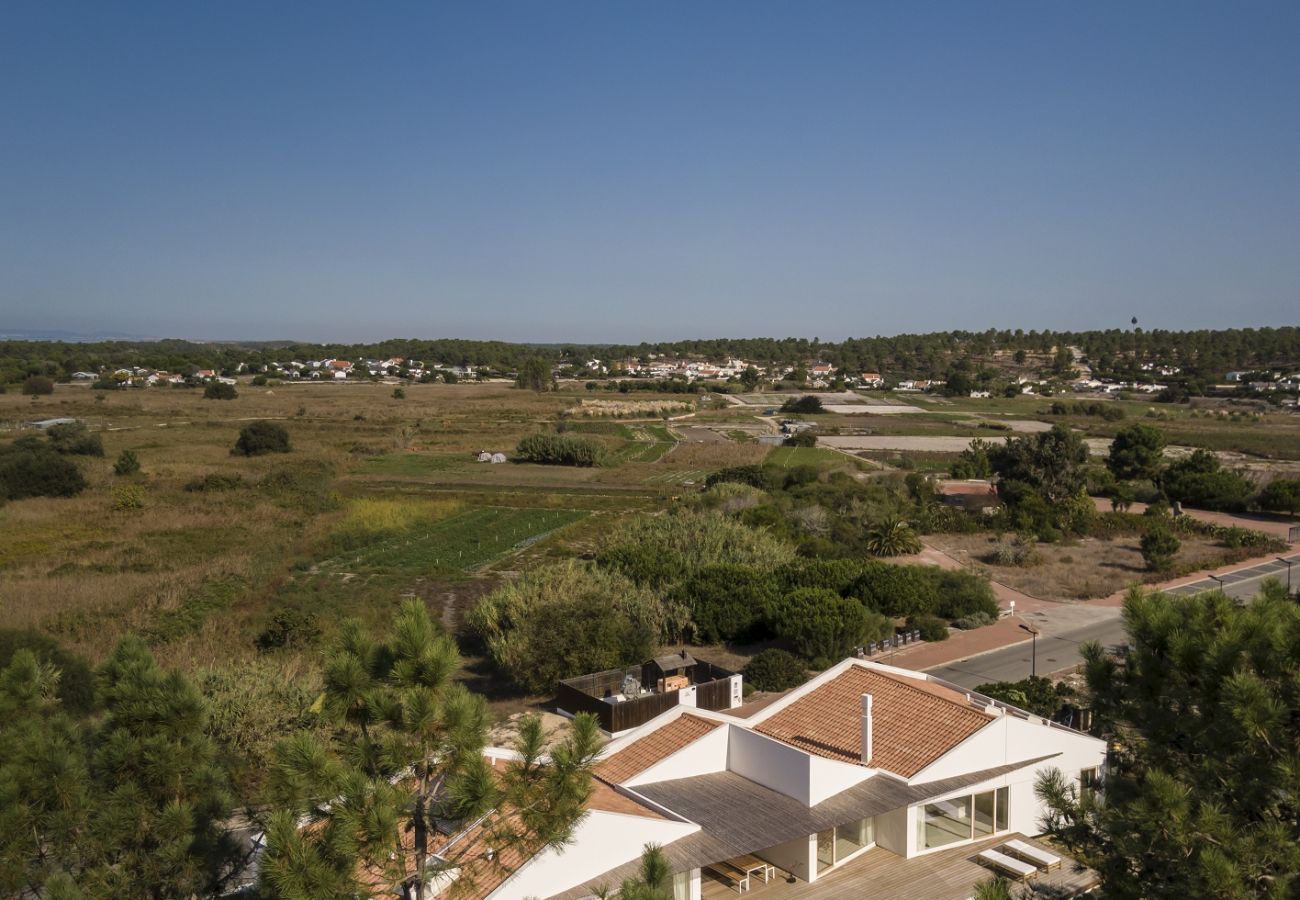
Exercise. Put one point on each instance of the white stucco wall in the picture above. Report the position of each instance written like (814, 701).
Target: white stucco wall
(601, 841)
(1012, 739)
(703, 756)
(892, 831)
(828, 777)
(770, 763)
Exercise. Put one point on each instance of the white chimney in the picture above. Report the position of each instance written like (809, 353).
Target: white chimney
(866, 729)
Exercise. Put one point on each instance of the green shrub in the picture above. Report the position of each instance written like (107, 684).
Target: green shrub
(399, 394)
(805, 405)
(1201, 481)
(127, 463)
(923, 590)
(932, 628)
(1281, 495)
(560, 450)
(755, 476)
(974, 620)
(1035, 694)
(215, 482)
(76, 679)
(567, 619)
(289, 627)
(75, 439)
(820, 624)
(727, 602)
(257, 438)
(37, 385)
(1159, 547)
(259, 381)
(31, 469)
(805, 438)
(128, 497)
(774, 669)
(219, 390)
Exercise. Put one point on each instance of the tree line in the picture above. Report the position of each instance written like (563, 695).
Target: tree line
(1204, 354)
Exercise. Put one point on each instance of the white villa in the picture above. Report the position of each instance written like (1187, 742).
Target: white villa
(868, 781)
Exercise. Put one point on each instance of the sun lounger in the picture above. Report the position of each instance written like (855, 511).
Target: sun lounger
(1031, 854)
(1007, 865)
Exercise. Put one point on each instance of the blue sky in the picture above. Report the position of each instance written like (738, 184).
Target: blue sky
(623, 171)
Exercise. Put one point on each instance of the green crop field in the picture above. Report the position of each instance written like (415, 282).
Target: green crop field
(785, 457)
(463, 542)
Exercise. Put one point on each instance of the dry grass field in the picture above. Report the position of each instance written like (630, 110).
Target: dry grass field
(381, 498)
(1075, 570)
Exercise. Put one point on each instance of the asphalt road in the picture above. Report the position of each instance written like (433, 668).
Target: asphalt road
(1061, 651)
(1055, 652)
(1245, 583)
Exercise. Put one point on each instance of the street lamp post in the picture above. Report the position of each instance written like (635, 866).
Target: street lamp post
(1287, 563)
(1033, 659)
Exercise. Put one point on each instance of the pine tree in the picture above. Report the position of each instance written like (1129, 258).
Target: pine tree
(1202, 789)
(410, 754)
(132, 807)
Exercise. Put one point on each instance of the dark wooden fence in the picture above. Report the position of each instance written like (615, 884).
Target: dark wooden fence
(587, 693)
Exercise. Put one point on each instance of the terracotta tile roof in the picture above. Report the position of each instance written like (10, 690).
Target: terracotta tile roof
(606, 799)
(914, 722)
(643, 753)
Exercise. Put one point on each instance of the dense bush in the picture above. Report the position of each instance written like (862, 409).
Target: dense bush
(923, 590)
(932, 628)
(1201, 481)
(755, 476)
(127, 463)
(805, 405)
(805, 438)
(128, 497)
(289, 627)
(219, 390)
(1281, 495)
(1137, 452)
(568, 619)
(821, 625)
(837, 575)
(974, 620)
(663, 550)
(727, 602)
(1159, 546)
(75, 439)
(214, 482)
(775, 669)
(1035, 694)
(36, 385)
(29, 468)
(257, 438)
(560, 450)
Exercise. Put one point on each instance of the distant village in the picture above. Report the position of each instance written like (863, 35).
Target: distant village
(814, 374)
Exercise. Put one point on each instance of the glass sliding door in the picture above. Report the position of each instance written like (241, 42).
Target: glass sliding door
(984, 818)
(1002, 798)
(851, 838)
(825, 849)
(946, 822)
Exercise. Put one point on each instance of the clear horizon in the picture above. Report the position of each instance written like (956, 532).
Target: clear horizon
(594, 173)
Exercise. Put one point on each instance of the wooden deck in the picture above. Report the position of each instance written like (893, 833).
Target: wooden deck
(881, 875)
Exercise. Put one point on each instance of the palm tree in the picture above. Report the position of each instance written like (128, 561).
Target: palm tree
(892, 537)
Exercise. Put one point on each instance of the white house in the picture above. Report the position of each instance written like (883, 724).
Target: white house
(865, 761)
